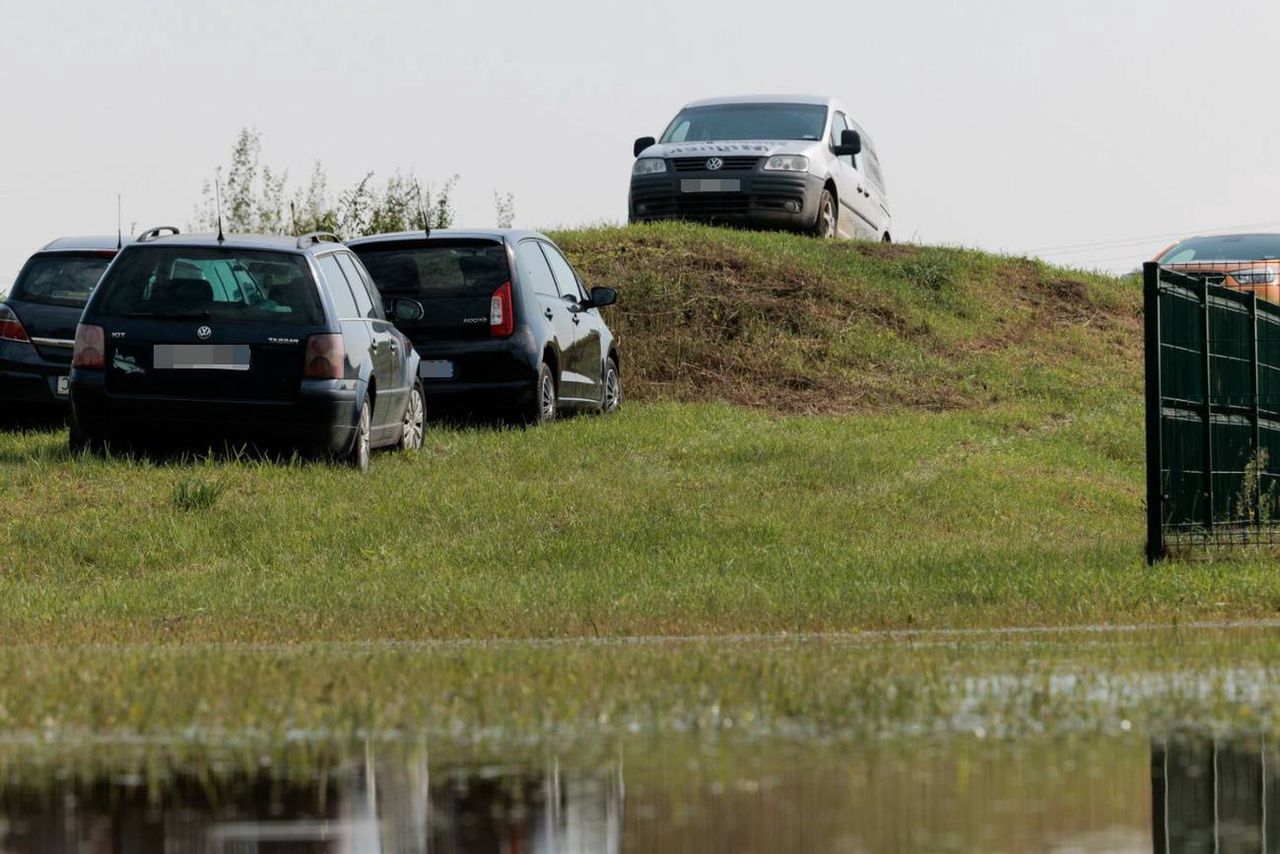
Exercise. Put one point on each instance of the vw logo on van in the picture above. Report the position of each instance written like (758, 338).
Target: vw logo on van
(204, 333)
(715, 164)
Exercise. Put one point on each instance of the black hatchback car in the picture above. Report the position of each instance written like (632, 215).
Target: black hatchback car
(256, 339)
(507, 324)
(38, 321)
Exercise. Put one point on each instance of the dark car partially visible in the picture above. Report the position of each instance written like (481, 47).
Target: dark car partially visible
(38, 322)
(508, 327)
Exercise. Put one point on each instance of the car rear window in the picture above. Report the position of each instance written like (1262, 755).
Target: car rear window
(1240, 247)
(245, 286)
(60, 278)
(443, 269)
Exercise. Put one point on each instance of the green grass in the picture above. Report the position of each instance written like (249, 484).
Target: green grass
(666, 519)
(821, 437)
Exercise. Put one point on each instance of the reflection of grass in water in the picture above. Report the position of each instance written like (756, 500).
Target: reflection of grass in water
(181, 702)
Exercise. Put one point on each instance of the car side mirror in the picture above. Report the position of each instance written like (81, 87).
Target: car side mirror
(600, 297)
(641, 144)
(850, 143)
(403, 309)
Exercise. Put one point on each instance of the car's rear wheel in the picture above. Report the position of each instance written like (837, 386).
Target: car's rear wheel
(612, 388)
(415, 416)
(361, 448)
(825, 225)
(542, 408)
(81, 441)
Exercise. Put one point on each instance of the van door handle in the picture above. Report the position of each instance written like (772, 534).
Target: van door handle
(576, 320)
(547, 314)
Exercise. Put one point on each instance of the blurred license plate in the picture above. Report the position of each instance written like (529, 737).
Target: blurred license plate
(201, 357)
(710, 185)
(64, 386)
(436, 369)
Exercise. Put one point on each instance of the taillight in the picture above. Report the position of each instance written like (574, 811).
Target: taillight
(502, 320)
(11, 327)
(325, 356)
(90, 348)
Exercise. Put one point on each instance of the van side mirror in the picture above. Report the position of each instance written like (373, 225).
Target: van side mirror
(641, 144)
(850, 143)
(600, 297)
(403, 309)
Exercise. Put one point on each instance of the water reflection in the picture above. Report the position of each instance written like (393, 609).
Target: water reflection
(370, 807)
(1133, 794)
(1209, 795)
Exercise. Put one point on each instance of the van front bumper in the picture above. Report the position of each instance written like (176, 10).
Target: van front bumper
(772, 199)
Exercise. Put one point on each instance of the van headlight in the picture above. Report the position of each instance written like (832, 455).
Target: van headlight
(649, 166)
(787, 163)
(1254, 277)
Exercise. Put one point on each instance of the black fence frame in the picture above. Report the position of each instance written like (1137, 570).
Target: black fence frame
(1212, 363)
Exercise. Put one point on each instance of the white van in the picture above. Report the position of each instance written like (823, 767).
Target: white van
(772, 161)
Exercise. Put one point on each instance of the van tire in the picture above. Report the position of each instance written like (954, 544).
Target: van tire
(824, 225)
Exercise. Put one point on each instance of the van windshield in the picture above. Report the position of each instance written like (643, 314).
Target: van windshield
(61, 278)
(747, 121)
(441, 269)
(245, 286)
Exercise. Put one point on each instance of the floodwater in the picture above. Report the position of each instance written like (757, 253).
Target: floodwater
(1202, 779)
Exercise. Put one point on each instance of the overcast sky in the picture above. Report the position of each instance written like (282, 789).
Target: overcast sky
(1011, 125)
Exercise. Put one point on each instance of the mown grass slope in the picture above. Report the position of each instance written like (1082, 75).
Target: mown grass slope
(791, 324)
(930, 437)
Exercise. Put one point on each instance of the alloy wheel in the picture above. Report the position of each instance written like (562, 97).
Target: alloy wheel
(414, 417)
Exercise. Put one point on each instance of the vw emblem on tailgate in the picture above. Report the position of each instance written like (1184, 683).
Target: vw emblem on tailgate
(715, 164)
(204, 333)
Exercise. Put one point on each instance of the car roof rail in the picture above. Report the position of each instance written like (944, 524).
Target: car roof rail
(153, 233)
(311, 238)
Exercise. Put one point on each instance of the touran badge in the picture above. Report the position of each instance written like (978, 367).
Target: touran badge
(715, 164)
(204, 333)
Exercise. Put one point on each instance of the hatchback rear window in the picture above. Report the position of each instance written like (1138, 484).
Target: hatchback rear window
(445, 269)
(60, 278)
(243, 286)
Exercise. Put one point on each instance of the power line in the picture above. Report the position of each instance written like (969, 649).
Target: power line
(1130, 241)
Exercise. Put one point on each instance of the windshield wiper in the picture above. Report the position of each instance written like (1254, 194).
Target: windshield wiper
(171, 315)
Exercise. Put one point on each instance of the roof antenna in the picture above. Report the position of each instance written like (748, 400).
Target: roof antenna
(119, 224)
(217, 195)
(293, 215)
(422, 211)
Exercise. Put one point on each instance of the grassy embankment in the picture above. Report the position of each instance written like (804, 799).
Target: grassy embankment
(817, 437)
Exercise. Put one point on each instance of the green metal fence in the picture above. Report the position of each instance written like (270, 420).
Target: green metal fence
(1213, 413)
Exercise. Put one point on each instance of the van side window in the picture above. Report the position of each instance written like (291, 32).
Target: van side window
(336, 282)
(837, 127)
(534, 272)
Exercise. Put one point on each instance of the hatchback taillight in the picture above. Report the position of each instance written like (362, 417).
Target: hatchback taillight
(502, 320)
(11, 328)
(90, 347)
(325, 355)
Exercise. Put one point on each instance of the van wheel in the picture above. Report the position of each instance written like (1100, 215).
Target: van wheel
(358, 456)
(415, 414)
(824, 226)
(543, 407)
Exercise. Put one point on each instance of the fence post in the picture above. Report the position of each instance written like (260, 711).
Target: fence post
(1154, 403)
(1206, 327)
(1256, 412)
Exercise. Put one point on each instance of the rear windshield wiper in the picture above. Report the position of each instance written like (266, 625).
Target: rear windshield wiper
(171, 315)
